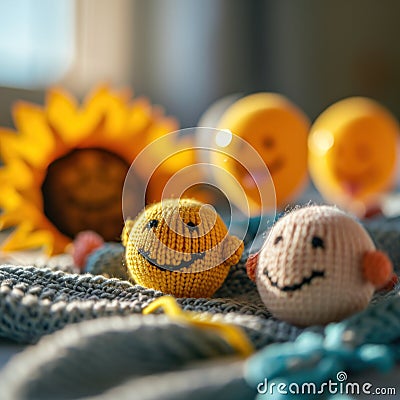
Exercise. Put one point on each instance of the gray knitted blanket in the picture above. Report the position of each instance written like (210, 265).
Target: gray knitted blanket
(97, 343)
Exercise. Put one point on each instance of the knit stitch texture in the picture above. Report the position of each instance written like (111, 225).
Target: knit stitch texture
(108, 350)
(181, 247)
(313, 256)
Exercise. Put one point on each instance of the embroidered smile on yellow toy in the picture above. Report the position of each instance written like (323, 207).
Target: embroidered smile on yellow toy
(180, 247)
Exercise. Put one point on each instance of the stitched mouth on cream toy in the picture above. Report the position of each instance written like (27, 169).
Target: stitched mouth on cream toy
(296, 286)
(183, 264)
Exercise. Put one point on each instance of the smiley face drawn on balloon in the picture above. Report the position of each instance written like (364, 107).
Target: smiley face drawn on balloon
(278, 131)
(353, 151)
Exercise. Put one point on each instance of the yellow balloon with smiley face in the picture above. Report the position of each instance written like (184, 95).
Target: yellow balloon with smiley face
(180, 247)
(352, 152)
(278, 131)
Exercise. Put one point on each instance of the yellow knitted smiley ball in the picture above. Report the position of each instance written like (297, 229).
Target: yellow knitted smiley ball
(352, 153)
(317, 266)
(180, 247)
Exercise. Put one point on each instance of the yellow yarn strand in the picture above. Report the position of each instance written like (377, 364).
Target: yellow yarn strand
(230, 333)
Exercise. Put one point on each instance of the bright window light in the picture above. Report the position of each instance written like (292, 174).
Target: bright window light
(223, 138)
(36, 41)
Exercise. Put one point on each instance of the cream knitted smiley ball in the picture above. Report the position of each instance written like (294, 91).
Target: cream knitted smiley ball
(318, 265)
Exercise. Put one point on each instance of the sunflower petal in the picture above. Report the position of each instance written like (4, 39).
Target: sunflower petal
(107, 119)
(10, 199)
(37, 139)
(17, 174)
(23, 237)
(62, 114)
(140, 117)
(113, 109)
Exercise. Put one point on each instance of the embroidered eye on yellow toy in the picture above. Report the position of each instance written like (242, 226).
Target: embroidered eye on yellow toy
(180, 247)
(318, 265)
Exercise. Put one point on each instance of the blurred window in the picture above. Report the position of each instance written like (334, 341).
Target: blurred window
(36, 41)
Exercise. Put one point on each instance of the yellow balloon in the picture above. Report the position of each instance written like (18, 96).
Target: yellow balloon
(278, 131)
(353, 151)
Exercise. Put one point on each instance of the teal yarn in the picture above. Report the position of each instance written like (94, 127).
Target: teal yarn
(107, 260)
(366, 340)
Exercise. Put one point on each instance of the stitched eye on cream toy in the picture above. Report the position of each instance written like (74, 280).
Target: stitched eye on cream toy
(318, 265)
(180, 247)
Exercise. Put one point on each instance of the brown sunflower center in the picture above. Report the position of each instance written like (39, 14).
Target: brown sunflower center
(83, 190)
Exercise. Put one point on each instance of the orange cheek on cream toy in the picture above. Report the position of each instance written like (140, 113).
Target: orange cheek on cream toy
(352, 153)
(318, 265)
(180, 247)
